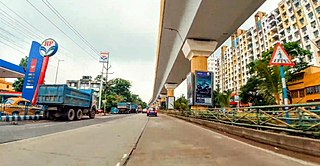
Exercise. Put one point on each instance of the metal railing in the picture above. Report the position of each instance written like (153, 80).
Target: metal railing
(295, 118)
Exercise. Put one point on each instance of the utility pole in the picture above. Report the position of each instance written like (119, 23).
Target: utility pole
(59, 60)
(100, 89)
(105, 94)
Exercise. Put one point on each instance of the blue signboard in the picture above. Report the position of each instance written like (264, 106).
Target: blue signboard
(32, 72)
(203, 88)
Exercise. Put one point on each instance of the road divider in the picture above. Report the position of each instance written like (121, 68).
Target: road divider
(10, 118)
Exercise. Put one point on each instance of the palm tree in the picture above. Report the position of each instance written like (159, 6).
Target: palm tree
(224, 98)
(270, 76)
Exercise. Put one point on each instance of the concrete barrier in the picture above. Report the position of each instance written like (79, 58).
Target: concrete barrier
(20, 118)
(298, 144)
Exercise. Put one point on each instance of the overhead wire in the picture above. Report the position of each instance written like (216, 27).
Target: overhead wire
(19, 23)
(95, 58)
(36, 29)
(60, 16)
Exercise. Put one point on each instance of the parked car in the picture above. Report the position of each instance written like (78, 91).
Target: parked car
(152, 112)
(19, 106)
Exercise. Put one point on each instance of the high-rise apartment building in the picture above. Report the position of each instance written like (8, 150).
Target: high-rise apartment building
(214, 67)
(291, 21)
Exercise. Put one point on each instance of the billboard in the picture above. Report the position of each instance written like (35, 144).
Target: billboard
(190, 88)
(32, 72)
(203, 88)
(104, 57)
(170, 103)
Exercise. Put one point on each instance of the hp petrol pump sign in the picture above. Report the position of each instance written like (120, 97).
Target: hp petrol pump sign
(48, 47)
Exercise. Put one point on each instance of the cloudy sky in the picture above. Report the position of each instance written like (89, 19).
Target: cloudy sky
(128, 29)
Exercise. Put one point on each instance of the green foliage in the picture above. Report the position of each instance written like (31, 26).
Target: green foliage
(269, 79)
(250, 93)
(18, 84)
(181, 104)
(224, 98)
(118, 90)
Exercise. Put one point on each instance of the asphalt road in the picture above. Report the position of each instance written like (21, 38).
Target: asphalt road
(168, 141)
(27, 129)
(107, 143)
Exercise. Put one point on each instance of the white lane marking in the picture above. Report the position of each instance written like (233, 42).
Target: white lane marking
(124, 156)
(118, 164)
(265, 150)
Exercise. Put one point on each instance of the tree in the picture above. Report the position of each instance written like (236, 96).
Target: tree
(181, 103)
(224, 98)
(250, 93)
(118, 90)
(215, 98)
(18, 84)
(269, 76)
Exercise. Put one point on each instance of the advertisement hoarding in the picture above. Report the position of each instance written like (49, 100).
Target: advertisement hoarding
(32, 72)
(170, 103)
(190, 89)
(203, 88)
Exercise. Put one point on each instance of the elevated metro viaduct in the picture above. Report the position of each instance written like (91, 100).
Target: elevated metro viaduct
(189, 32)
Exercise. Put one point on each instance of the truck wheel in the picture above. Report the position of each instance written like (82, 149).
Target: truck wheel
(92, 113)
(79, 114)
(70, 115)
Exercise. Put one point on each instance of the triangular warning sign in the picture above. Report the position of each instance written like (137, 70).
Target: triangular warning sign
(280, 57)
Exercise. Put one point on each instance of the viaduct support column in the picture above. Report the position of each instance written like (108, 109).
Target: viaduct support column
(198, 51)
(170, 94)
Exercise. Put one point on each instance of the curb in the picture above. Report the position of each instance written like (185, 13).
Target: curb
(20, 118)
(293, 143)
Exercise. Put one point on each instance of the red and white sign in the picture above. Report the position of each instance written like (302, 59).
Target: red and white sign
(280, 57)
(104, 56)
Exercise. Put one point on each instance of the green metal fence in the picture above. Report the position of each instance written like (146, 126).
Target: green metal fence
(295, 118)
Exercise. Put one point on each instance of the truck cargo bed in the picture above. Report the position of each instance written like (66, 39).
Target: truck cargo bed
(62, 95)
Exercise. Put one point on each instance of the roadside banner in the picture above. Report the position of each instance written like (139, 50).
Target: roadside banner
(32, 72)
(203, 88)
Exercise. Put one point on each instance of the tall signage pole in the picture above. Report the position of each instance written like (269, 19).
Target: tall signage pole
(104, 58)
(48, 48)
(281, 58)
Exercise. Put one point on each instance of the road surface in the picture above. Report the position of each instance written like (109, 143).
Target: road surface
(138, 141)
(169, 141)
(26, 129)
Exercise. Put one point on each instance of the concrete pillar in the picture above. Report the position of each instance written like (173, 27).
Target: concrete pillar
(198, 51)
(163, 101)
(170, 90)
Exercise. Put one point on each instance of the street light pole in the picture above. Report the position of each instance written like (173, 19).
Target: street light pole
(59, 60)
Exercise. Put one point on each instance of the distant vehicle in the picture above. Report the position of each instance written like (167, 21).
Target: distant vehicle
(134, 108)
(19, 106)
(144, 110)
(114, 110)
(152, 112)
(68, 103)
(123, 107)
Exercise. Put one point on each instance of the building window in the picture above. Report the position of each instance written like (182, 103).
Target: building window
(308, 6)
(313, 24)
(295, 94)
(316, 33)
(302, 20)
(318, 10)
(310, 15)
(306, 38)
(308, 47)
(313, 90)
(301, 93)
